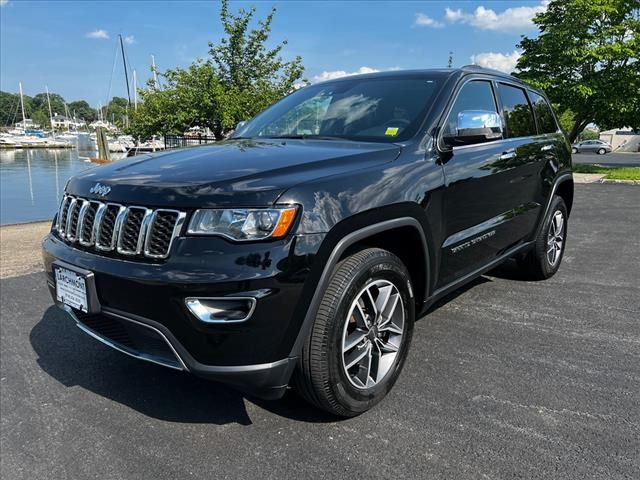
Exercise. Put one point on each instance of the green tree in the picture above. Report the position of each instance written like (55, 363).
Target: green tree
(116, 111)
(189, 97)
(241, 77)
(9, 108)
(586, 60)
(83, 110)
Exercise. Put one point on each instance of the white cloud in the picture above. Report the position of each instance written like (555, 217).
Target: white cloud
(341, 73)
(101, 34)
(130, 40)
(423, 20)
(505, 62)
(4, 2)
(516, 18)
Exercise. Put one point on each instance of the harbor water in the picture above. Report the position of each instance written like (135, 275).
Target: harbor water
(32, 180)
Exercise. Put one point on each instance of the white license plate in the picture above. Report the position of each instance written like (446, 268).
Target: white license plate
(71, 289)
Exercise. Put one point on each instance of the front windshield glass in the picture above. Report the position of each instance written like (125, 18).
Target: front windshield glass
(367, 109)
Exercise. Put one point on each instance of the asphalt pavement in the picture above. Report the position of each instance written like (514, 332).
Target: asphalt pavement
(610, 159)
(505, 379)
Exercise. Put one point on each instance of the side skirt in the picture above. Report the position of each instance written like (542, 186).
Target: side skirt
(441, 292)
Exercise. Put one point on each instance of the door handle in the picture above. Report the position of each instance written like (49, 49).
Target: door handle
(547, 148)
(508, 155)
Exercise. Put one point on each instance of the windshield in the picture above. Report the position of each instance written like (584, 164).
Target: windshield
(367, 109)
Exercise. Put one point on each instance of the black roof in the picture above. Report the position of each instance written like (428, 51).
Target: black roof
(440, 72)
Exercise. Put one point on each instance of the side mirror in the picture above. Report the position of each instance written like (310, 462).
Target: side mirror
(475, 126)
(241, 124)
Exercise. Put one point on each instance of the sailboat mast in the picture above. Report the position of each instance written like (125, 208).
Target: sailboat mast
(24, 118)
(126, 74)
(49, 102)
(153, 68)
(135, 91)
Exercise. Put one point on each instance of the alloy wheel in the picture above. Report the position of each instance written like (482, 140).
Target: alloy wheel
(372, 334)
(555, 238)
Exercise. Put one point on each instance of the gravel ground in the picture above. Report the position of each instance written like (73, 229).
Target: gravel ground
(505, 379)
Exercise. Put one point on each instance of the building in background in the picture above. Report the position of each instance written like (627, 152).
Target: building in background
(622, 139)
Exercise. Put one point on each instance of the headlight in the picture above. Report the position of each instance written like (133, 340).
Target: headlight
(243, 224)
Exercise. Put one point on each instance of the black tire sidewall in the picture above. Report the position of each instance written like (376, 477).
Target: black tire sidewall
(557, 204)
(355, 399)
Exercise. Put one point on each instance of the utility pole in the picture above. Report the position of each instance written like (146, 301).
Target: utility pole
(126, 74)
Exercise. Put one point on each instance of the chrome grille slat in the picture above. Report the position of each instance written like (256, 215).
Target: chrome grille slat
(86, 225)
(71, 224)
(127, 230)
(62, 215)
(164, 226)
(131, 231)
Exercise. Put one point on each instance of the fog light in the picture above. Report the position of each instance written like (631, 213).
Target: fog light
(221, 309)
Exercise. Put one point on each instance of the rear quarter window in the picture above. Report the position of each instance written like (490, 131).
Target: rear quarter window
(544, 114)
(516, 111)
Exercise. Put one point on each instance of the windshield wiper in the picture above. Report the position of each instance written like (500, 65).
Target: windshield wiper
(309, 137)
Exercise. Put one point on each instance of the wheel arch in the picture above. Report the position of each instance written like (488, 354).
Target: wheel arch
(564, 189)
(378, 234)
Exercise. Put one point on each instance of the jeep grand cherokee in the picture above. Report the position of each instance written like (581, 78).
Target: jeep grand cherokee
(300, 251)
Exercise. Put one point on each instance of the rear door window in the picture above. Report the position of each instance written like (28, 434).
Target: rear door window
(544, 114)
(517, 112)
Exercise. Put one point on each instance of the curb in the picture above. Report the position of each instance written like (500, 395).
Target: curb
(622, 182)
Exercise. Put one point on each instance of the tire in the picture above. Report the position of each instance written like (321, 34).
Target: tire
(574, 150)
(601, 151)
(323, 376)
(541, 262)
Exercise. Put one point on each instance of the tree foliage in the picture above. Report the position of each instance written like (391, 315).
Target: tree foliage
(240, 78)
(586, 60)
(37, 109)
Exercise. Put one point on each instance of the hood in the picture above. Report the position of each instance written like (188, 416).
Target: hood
(231, 173)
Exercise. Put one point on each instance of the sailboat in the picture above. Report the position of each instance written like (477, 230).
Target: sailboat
(25, 135)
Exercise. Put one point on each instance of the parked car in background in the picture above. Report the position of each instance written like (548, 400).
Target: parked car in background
(593, 146)
(301, 250)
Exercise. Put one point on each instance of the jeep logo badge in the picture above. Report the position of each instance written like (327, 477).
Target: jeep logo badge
(99, 189)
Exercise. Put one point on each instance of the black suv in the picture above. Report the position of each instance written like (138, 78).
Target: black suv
(301, 250)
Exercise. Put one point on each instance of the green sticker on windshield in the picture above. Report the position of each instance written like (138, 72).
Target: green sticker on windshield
(392, 131)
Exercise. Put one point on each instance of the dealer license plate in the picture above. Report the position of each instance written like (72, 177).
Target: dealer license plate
(71, 289)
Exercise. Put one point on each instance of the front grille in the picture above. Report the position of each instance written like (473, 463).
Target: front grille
(111, 227)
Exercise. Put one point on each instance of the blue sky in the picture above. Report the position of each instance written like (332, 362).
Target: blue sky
(70, 45)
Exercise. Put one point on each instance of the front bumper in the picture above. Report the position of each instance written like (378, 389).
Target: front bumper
(254, 356)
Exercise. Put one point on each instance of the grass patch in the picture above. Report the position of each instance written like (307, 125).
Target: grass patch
(611, 173)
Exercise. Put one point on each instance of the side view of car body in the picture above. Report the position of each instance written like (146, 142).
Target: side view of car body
(300, 252)
(593, 146)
